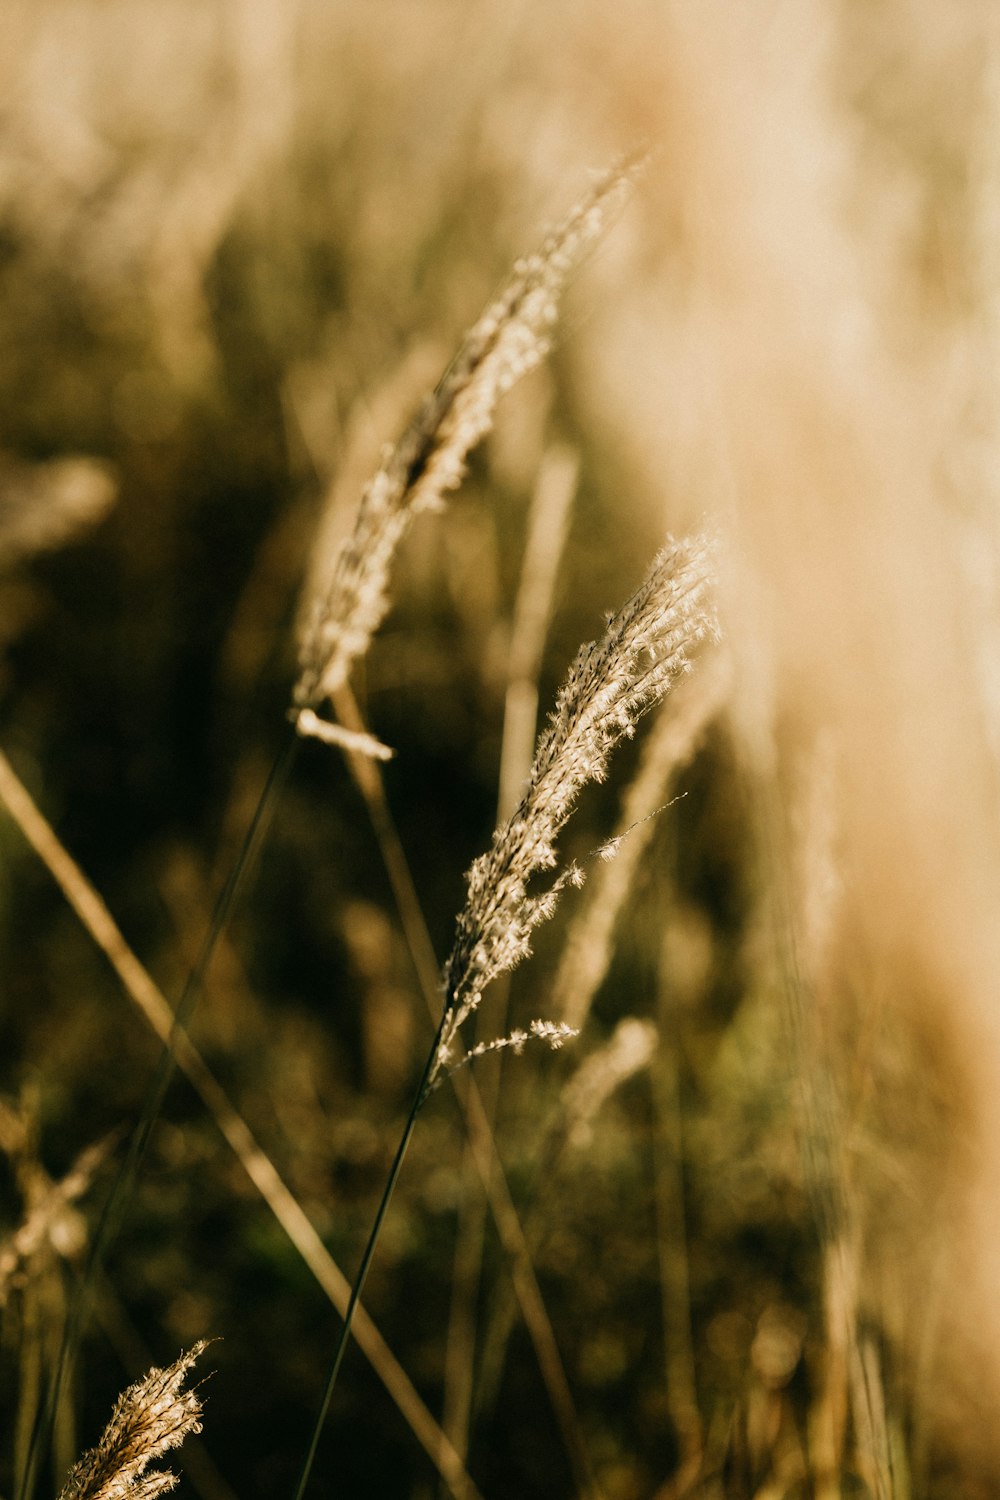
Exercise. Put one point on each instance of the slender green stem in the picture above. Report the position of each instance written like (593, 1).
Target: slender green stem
(368, 1255)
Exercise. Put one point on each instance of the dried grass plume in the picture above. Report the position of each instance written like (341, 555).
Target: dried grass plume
(511, 338)
(149, 1419)
(648, 644)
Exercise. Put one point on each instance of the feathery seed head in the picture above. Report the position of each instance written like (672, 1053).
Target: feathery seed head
(151, 1417)
(510, 338)
(647, 645)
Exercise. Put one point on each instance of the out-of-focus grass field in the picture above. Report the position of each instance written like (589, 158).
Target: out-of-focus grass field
(238, 242)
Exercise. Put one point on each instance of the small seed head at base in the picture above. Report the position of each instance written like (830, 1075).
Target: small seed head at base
(150, 1417)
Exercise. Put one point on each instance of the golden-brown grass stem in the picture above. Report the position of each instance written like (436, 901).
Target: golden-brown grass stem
(147, 996)
(548, 525)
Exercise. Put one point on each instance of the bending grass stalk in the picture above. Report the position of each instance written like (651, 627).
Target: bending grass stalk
(16, 797)
(647, 645)
(150, 1000)
(674, 737)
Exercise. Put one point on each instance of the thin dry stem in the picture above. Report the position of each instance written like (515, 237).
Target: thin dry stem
(548, 525)
(672, 1248)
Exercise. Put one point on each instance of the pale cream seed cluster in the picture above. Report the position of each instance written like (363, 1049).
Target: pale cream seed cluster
(648, 644)
(149, 1419)
(510, 338)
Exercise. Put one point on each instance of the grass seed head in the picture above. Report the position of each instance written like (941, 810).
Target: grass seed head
(151, 1417)
(511, 338)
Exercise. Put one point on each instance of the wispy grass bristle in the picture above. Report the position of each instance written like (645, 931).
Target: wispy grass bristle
(555, 1033)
